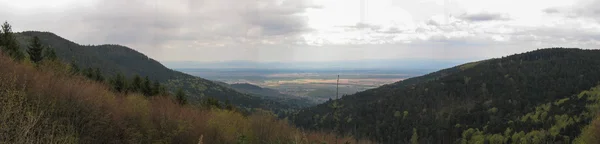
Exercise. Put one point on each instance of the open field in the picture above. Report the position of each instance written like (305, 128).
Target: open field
(318, 85)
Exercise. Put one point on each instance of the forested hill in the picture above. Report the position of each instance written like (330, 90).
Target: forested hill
(111, 59)
(533, 97)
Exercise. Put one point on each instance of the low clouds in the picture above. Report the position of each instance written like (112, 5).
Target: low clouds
(320, 30)
(484, 16)
(154, 26)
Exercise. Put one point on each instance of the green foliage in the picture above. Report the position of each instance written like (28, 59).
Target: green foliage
(119, 83)
(180, 96)
(113, 59)
(147, 87)
(414, 139)
(50, 54)
(530, 93)
(98, 75)
(9, 43)
(136, 84)
(35, 50)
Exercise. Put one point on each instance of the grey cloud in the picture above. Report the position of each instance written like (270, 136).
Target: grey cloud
(432, 22)
(582, 9)
(480, 17)
(151, 25)
(551, 10)
(393, 30)
(360, 25)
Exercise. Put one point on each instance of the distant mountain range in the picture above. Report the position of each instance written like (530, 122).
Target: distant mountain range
(331, 65)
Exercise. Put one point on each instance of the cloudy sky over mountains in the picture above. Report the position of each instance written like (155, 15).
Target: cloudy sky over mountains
(315, 30)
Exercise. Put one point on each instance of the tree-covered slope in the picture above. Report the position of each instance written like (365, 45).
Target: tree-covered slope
(489, 97)
(111, 59)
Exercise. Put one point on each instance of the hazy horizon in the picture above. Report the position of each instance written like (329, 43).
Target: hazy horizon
(387, 64)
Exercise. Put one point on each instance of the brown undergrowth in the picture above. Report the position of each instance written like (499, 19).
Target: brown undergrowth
(47, 104)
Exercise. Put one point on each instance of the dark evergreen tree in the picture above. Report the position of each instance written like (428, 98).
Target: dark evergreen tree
(147, 86)
(136, 84)
(35, 50)
(156, 88)
(9, 43)
(119, 83)
(50, 54)
(180, 95)
(98, 75)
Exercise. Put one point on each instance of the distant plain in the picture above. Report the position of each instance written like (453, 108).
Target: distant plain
(316, 84)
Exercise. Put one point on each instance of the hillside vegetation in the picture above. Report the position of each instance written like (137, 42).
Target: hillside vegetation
(534, 97)
(43, 101)
(111, 59)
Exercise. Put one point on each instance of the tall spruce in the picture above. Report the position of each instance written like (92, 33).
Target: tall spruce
(147, 87)
(136, 83)
(35, 50)
(119, 83)
(9, 43)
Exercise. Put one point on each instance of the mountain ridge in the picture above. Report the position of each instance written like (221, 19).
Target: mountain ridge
(113, 58)
(440, 106)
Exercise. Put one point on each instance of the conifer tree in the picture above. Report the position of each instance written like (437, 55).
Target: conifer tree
(35, 50)
(136, 83)
(50, 54)
(98, 75)
(180, 95)
(9, 43)
(119, 83)
(156, 88)
(147, 87)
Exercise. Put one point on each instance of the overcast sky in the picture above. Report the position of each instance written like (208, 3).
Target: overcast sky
(315, 30)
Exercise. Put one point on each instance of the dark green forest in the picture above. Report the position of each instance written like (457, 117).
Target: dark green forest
(532, 97)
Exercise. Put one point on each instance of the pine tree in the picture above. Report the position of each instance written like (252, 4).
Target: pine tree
(98, 75)
(136, 84)
(9, 43)
(156, 88)
(180, 95)
(50, 54)
(147, 87)
(119, 83)
(35, 50)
